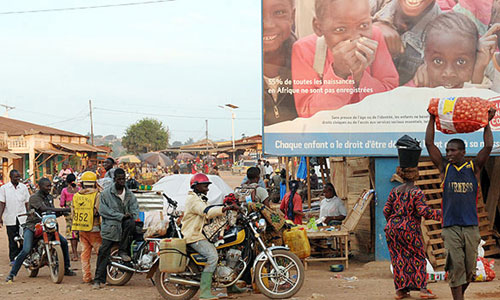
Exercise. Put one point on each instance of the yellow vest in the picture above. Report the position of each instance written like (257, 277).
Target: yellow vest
(83, 212)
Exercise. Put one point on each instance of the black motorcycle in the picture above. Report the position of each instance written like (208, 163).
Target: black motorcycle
(144, 252)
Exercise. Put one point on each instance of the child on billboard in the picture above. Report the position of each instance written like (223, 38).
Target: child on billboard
(402, 23)
(277, 40)
(344, 62)
(453, 52)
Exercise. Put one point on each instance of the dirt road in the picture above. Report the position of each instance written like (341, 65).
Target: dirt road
(374, 281)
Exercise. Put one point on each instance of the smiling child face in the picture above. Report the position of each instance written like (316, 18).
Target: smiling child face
(450, 58)
(413, 8)
(344, 20)
(278, 16)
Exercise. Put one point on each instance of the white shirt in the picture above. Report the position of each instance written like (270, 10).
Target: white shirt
(268, 169)
(15, 199)
(332, 207)
(122, 195)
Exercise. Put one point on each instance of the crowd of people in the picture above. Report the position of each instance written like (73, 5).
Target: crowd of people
(113, 208)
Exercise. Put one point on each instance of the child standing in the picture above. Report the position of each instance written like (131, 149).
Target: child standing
(277, 40)
(353, 59)
(291, 205)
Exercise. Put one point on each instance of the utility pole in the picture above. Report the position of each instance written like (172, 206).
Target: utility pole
(7, 108)
(206, 135)
(91, 124)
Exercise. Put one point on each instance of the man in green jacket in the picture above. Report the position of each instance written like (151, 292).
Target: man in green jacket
(118, 210)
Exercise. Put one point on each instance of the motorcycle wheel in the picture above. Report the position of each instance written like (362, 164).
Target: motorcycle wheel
(33, 273)
(57, 267)
(115, 276)
(172, 291)
(276, 286)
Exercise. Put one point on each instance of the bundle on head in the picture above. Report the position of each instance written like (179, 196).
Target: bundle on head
(408, 174)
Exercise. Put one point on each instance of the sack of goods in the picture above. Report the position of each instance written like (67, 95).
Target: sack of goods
(460, 114)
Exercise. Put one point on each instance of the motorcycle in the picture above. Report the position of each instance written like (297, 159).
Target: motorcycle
(29, 184)
(277, 272)
(144, 253)
(46, 250)
(58, 183)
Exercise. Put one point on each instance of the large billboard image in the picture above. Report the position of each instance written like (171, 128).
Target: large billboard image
(349, 77)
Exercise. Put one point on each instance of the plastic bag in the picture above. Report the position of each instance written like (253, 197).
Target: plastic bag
(480, 249)
(311, 225)
(484, 270)
(460, 114)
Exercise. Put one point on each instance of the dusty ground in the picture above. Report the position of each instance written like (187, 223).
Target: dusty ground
(374, 282)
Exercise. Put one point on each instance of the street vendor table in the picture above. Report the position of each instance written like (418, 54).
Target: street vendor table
(342, 238)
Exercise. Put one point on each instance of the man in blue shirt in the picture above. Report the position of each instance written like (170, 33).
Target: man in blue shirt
(460, 221)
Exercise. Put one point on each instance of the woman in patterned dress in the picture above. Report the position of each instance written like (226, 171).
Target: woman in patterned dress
(67, 194)
(403, 211)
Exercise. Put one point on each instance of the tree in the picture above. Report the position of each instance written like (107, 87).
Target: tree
(146, 135)
(189, 141)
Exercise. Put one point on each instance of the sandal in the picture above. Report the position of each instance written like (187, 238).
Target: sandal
(428, 295)
(401, 296)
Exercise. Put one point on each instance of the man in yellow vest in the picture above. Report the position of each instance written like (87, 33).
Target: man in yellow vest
(86, 220)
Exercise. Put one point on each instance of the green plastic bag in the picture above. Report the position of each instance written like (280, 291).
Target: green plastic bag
(311, 225)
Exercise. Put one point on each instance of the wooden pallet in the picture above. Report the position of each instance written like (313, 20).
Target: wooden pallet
(430, 183)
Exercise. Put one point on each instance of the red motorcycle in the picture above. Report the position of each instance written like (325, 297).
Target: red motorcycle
(46, 250)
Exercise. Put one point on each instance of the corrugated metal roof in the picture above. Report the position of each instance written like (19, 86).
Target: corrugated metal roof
(53, 151)
(17, 127)
(9, 155)
(78, 147)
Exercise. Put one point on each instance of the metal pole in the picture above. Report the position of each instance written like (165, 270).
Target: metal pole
(206, 134)
(91, 124)
(232, 130)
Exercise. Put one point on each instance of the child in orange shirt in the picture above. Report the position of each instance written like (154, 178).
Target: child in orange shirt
(355, 64)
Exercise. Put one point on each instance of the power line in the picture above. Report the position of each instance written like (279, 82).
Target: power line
(167, 115)
(82, 7)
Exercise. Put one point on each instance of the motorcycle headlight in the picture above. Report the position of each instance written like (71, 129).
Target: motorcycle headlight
(261, 225)
(50, 223)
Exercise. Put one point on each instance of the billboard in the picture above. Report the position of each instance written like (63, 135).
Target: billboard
(350, 77)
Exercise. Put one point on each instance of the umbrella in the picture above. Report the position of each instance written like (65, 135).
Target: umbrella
(223, 155)
(155, 158)
(129, 159)
(185, 156)
(177, 187)
(209, 157)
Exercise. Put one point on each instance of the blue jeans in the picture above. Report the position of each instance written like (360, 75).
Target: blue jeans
(28, 244)
(207, 250)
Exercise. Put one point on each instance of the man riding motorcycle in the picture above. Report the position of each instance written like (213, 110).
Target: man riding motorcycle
(196, 213)
(41, 202)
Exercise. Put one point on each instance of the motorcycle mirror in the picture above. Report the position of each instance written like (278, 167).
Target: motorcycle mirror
(169, 200)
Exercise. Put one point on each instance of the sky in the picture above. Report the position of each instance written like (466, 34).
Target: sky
(174, 61)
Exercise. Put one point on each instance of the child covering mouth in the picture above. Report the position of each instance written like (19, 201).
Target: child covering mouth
(355, 53)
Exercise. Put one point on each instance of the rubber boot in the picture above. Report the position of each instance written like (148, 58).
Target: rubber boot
(206, 286)
(234, 289)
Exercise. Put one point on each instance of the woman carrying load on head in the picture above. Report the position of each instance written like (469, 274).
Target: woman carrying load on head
(403, 211)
